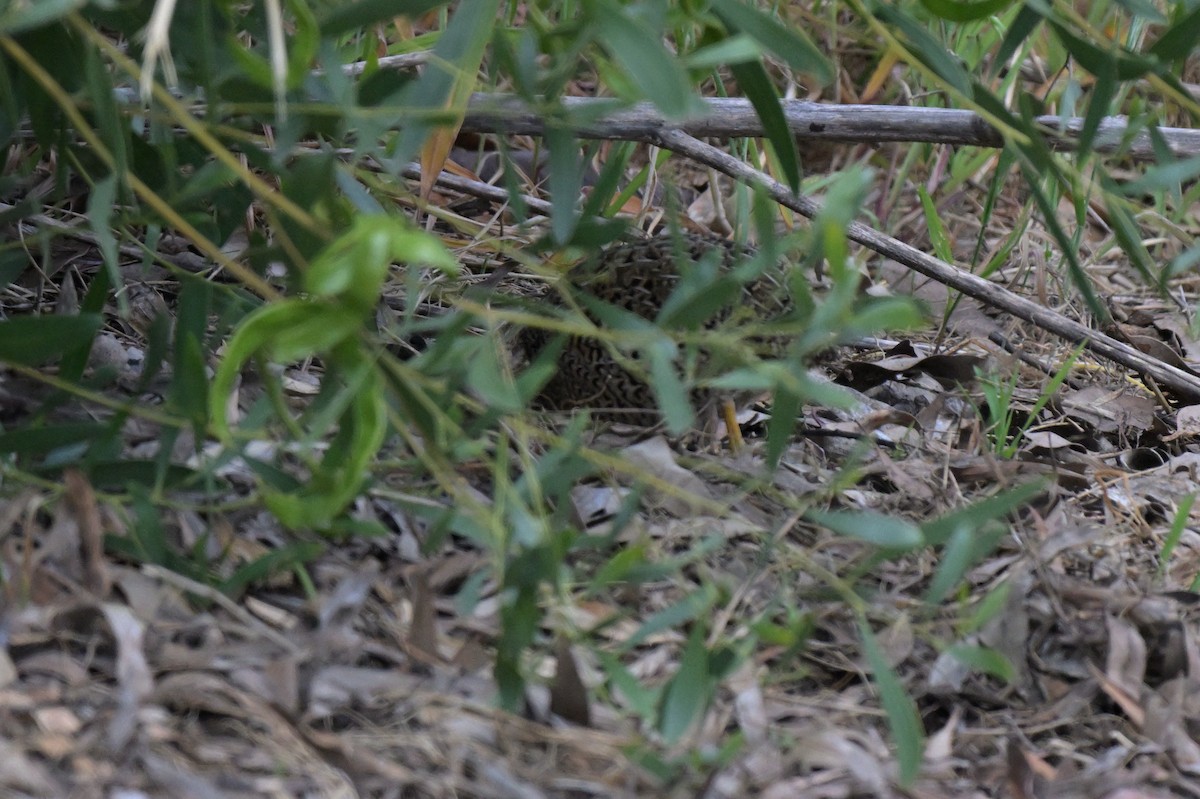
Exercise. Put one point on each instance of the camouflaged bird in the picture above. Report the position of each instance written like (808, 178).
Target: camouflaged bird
(640, 277)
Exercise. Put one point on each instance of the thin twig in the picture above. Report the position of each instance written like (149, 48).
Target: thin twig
(154, 571)
(476, 188)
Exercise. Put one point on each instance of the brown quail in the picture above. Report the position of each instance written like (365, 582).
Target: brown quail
(639, 277)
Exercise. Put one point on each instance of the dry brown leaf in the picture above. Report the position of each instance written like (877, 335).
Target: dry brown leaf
(422, 639)
(82, 501)
(656, 457)
(1126, 662)
(135, 681)
(568, 695)
(1128, 703)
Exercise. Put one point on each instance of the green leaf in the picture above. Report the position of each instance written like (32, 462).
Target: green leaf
(345, 468)
(756, 85)
(123, 474)
(692, 606)
(18, 17)
(38, 440)
(1178, 524)
(785, 410)
(984, 659)
(354, 267)
(923, 46)
(448, 78)
(565, 179)
(486, 379)
(1099, 61)
(1179, 40)
(965, 12)
(989, 607)
(888, 532)
(1129, 234)
(669, 391)
(1023, 24)
(100, 212)
(1103, 92)
(1161, 177)
(303, 43)
(350, 16)
(787, 43)
(736, 49)
(967, 547)
(903, 720)
(113, 128)
(642, 699)
(937, 230)
(284, 558)
(689, 691)
(1039, 167)
(639, 50)
(33, 340)
(189, 381)
(974, 516)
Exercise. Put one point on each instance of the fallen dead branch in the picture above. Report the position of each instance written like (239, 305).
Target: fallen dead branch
(730, 117)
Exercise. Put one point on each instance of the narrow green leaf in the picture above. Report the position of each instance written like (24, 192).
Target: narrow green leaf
(354, 266)
(449, 77)
(566, 178)
(988, 608)
(33, 340)
(29, 440)
(669, 391)
(489, 382)
(737, 49)
(888, 532)
(974, 516)
(1129, 234)
(18, 17)
(122, 474)
(284, 558)
(1022, 27)
(607, 197)
(1103, 92)
(1097, 60)
(1038, 165)
(937, 229)
(692, 606)
(190, 381)
(642, 699)
(986, 660)
(1179, 40)
(907, 730)
(100, 212)
(923, 46)
(966, 547)
(346, 466)
(113, 128)
(346, 17)
(639, 50)
(1161, 177)
(304, 40)
(788, 43)
(1178, 524)
(785, 410)
(965, 12)
(688, 692)
(756, 85)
